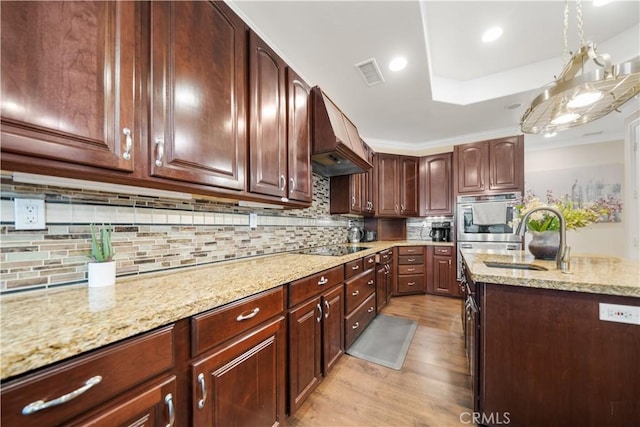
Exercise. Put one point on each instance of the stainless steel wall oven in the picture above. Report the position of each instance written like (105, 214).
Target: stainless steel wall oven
(483, 222)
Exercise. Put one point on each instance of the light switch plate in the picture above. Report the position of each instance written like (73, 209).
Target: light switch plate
(253, 220)
(29, 214)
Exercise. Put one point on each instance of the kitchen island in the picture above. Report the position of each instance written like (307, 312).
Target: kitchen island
(540, 353)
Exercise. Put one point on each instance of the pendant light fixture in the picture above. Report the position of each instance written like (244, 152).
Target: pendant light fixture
(580, 96)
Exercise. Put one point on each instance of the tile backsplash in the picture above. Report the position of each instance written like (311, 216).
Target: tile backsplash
(150, 233)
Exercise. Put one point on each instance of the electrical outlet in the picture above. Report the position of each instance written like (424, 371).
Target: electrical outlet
(620, 313)
(29, 214)
(253, 221)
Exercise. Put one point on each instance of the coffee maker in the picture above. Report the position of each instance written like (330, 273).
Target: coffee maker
(440, 231)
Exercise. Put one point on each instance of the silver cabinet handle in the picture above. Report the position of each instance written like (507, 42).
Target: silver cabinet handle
(411, 284)
(411, 250)
(401, 208)
(353, 201)
(355, 267)
(292, 183)
(203, 391)
(411, 269)
(160, 157)
(319, 307)
(355, 293)
(370, 310)
(283, 180)
(243, 316)
(327, 307)
(323, 281)
(39, 405)
(371, 261)
(168, 400)
(370, 282)
(355, 325)
(128, 143)
(411, 260)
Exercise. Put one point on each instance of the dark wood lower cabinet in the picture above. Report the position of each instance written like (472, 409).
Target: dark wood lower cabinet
(546, 359)
(441, 271)
(315, 342)
(242, 383)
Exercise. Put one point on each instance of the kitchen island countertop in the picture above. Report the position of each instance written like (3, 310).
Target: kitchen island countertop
(588, 273)
(42, 327)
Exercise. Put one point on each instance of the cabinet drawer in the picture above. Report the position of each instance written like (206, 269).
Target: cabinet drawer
(411, 283)
(369, 261)
(359, 320)
(303, 289)
(410, 259)
(443, 250)
(113, 370)
(358, 289)
(353, 268)
(218, 325)
(411, 250)
(410, 269)
(385, 256)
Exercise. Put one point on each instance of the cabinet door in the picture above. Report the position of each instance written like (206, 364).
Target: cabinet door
(435, 175)
(298, 138)
(388, 176)
(153, 405)
(367, 184)
(268, 143)
(506, 158)
(442, 275)
(242, 384)
(198, 94)
(332, 327)
(355, 184)
(408, 186)
(305, 346)
(472, 163)
(68, 82)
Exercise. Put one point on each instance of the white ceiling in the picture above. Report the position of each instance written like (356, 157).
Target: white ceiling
(455, 89)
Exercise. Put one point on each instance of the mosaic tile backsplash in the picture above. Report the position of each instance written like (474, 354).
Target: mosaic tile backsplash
(150, 233)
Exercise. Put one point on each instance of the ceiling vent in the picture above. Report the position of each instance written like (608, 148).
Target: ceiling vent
(370, 72)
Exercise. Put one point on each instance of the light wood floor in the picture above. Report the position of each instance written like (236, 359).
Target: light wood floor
(432, 389)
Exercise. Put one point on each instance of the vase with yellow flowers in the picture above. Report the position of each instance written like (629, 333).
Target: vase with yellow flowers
(545, 227)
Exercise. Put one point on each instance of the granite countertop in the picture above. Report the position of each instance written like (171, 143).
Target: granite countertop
(42, 327)
(588, 273)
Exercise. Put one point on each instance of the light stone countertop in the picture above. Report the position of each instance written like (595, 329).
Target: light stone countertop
(588, 273)
(42, 327)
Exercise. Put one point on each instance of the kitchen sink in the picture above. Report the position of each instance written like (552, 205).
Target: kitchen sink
(515, 265)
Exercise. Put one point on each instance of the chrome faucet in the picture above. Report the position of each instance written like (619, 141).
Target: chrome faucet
(562, 258)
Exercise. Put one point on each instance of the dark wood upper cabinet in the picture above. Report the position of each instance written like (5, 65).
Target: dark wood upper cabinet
(408, 185)
(388, 176)
(490, 166)
(353, 194)
(69, 82)
(267, 120)
(397, 185)
(198, 75)
(436, 185)
(299, 138)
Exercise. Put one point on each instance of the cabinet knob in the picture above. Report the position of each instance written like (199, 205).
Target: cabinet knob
(411, 284)
(355, 293)
(355, 267)
(370, 282)
(355, 325)
(370, 310)
(323, 281)
(128, 143)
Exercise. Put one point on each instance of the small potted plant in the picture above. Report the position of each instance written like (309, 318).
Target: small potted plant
(102, 272)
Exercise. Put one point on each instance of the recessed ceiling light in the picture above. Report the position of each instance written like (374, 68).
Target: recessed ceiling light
(398, 63)
(492, 34)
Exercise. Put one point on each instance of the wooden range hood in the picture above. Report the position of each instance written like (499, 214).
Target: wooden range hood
(337, 147)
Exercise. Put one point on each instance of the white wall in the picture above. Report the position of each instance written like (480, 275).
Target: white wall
(601, 238)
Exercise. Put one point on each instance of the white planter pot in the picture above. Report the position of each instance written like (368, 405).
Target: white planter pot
(102, 274)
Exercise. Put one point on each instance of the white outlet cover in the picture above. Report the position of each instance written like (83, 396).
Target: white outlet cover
(29, 214)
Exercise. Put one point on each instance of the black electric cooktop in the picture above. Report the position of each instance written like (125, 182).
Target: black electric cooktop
(332, 250)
